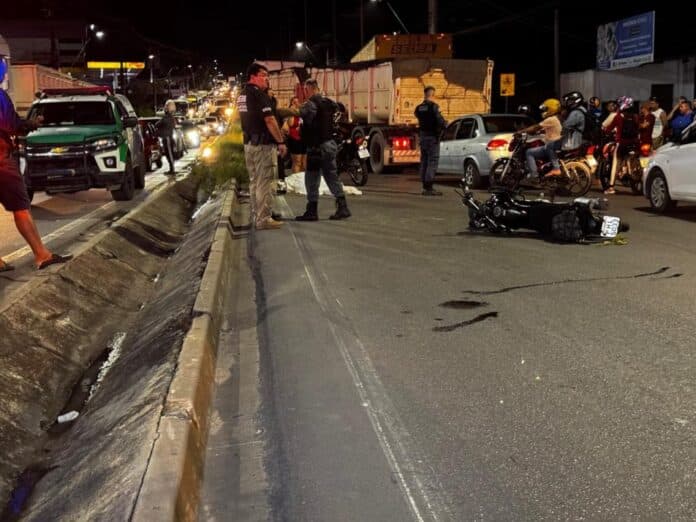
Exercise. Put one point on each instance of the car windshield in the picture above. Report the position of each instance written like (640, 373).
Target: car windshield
(61, 114)
(495, 124)
(181, 107)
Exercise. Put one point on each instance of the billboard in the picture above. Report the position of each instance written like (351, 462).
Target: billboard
(626, 43)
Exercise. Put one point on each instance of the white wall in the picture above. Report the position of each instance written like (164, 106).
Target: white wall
(634, 82)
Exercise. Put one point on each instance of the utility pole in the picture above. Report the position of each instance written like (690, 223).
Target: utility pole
(556, 54)
(333, 31)
(362, 23)
(305, 21)
(432, 16)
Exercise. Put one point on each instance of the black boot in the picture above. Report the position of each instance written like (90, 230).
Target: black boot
(310, 214)
(342, 211)
(428, 190)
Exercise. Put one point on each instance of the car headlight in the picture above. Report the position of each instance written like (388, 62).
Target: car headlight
(192, 135)
(229, 111)
(104, 144)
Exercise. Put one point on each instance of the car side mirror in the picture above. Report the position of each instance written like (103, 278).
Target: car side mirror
(130, 122)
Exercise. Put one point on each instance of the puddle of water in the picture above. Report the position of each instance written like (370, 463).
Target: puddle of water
(463, 304)
(477, 319)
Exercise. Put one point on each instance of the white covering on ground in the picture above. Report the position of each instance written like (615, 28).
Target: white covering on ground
(295, 183)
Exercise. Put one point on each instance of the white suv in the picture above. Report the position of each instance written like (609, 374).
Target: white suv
(670, 175)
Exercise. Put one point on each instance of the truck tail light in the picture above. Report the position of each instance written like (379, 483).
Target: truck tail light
(497, 145)
(401, 143)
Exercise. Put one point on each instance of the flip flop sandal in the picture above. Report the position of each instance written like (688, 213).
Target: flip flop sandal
(54, 260)
(6, 267)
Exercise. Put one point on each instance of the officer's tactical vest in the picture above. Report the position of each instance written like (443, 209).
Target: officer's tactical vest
(427, 118)
(321, 129)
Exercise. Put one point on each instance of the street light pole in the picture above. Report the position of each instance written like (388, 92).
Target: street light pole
(152, 81)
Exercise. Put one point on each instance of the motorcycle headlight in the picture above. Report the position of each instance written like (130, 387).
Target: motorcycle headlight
(104, 144)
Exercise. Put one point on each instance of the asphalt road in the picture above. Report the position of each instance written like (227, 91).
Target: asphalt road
(414, 370)
(65, 219)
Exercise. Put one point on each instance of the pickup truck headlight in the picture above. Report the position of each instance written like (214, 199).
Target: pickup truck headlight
(104, 144)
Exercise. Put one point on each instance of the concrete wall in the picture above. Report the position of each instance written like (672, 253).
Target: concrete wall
(635, 82)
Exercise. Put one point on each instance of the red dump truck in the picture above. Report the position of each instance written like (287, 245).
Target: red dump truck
(384, 83)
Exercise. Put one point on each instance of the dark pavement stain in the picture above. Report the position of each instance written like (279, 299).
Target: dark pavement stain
(399, 335)
(568, 281)
(463, 305)
(673, 276)
(406, 312)
(477, 319)
(439, 319)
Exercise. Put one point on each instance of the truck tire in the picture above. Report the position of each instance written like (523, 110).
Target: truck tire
(127, 190)
(377, 146)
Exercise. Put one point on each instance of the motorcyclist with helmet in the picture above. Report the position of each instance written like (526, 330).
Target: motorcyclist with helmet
(551, 127)
(625, 125)
(574, 122)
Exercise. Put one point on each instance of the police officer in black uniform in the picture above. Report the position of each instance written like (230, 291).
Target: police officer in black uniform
(431, 124)
(263, 140)
(317, 133)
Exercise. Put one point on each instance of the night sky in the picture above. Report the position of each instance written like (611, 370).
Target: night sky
(518, 36)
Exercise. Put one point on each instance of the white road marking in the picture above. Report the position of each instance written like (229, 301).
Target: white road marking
(151, 184)
(393, 437)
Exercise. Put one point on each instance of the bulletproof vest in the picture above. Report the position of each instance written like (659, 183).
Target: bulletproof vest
(426, 113)
(321, 129)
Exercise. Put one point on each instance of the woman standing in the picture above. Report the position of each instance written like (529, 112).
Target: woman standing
(297, 149)
(165, 130)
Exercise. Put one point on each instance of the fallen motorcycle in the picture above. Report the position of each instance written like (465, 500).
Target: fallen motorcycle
(575, 221)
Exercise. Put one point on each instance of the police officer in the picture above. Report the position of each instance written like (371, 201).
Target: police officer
(13, 193)
(262, 143)
(317, 133)
(431, 124)
(165, 130)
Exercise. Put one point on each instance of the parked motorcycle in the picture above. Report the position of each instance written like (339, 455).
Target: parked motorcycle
(630, 169)
(510, 173)
(353, 152)
(575, 221)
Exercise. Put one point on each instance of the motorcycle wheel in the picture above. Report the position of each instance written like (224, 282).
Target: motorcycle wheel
(357, 170)
(580, 178)
(510, 182)
(637, 186)
(636, 177)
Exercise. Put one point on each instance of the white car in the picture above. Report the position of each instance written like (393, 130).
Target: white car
(670, 175)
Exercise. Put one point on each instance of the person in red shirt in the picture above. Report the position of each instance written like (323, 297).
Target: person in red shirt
(297, 149)
(646, 122)
(626, 128)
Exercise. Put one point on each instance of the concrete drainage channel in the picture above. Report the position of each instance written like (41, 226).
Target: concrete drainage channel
(120, 342)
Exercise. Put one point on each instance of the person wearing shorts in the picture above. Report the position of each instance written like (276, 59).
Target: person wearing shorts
(13, 193)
